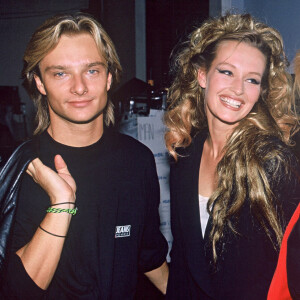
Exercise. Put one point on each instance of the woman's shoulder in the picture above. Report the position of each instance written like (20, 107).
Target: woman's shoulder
(198, 139)
(283, 172)
(277, 156)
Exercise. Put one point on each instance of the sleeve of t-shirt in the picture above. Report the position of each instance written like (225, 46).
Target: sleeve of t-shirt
(17, 283)
(154, 245)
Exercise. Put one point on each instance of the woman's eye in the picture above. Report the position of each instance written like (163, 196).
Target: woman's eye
(253, 81)
(225, 72)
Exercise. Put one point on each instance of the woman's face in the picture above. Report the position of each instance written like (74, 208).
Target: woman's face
(233, 82)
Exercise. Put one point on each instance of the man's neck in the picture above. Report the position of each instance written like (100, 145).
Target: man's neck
(76, 135)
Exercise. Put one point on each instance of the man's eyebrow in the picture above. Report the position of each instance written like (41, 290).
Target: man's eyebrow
(62, 67)
(97, 63)
(55, 67)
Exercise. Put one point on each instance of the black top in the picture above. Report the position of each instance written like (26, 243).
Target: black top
(116, 185)
(246, 265)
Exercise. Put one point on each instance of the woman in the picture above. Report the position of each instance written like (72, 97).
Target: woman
(233, 183)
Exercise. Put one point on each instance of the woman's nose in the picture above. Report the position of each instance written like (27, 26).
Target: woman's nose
(238, 86)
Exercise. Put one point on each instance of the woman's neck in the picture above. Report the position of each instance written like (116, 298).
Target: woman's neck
(216, 142)
(219, 133)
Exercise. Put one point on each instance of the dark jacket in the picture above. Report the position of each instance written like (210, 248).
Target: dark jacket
(248, 260)
(10, 178)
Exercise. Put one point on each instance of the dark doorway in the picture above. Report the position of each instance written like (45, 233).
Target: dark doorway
(168, 21)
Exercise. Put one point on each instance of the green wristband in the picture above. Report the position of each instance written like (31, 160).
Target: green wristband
(71, 211)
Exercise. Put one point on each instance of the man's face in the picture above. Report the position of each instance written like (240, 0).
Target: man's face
(75, 80)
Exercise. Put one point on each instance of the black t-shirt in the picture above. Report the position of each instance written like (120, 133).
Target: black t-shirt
(116, 186)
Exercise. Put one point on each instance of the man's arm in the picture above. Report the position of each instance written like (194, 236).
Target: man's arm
(159, 277)
(154, 245)
(41, 255)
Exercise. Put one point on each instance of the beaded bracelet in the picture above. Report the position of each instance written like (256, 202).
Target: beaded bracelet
(61, 236)
(71, 211)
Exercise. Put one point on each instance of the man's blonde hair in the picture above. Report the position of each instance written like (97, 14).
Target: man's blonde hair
(45, 38)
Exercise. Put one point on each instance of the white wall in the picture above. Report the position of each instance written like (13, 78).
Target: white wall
(140, 40)
(282, 15)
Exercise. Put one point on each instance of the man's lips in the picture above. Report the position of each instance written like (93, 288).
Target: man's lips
(80, 103)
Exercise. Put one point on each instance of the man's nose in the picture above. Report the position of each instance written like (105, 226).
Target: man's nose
(79, 86)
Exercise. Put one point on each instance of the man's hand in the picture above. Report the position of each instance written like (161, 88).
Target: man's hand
(58, 186)
(159, 277)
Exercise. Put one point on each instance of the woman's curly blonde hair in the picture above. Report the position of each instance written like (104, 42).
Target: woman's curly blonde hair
(241, 172)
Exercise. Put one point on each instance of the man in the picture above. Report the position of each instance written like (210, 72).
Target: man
(101, 225)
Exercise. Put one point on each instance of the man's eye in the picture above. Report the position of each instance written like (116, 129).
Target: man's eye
(225, 72)
(59, 74)
(93, 71)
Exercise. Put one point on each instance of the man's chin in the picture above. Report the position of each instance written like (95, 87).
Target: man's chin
(79, 120)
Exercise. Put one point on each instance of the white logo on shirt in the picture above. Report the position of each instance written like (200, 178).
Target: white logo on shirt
(122, 231)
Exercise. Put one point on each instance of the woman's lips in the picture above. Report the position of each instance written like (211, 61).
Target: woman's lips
(231, 102)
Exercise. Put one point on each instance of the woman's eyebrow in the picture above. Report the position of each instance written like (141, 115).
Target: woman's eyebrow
(233, 66)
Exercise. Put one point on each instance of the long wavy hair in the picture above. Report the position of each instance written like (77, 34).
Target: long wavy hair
(45, 38)
(242, 171)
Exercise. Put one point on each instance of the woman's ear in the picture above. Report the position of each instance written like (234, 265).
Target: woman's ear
(39, 85)
(202, 77)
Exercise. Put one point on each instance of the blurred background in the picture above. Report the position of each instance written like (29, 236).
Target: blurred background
(144, 32)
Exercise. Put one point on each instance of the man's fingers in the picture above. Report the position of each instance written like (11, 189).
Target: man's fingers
(28, 172)
(60, 165)
(32, 167)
